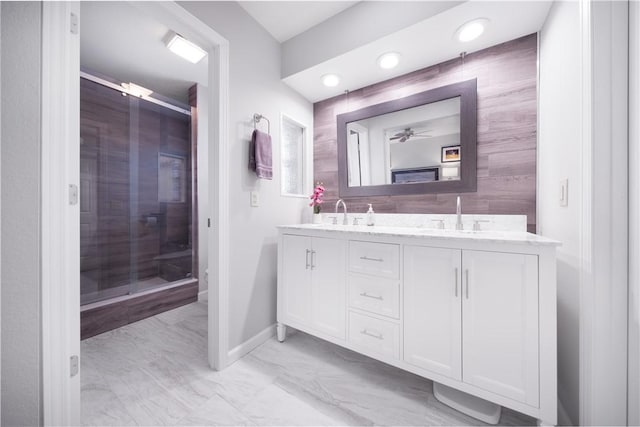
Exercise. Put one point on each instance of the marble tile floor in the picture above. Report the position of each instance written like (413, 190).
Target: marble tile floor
(155, 372)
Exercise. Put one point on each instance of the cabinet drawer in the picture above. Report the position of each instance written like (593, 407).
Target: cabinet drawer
(377, 259)
(381, 296)
(375, 335)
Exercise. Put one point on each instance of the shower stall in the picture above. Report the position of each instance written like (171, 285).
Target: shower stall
(137, 205)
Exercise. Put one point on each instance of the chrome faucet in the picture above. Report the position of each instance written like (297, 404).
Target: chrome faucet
(459, 215)
(344, 205)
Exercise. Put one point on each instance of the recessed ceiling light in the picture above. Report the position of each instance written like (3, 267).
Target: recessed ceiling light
(185, 49)
(388, 60)
(330, 80)
(471, 30)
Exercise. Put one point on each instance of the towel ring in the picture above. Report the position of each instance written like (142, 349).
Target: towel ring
(256, 119)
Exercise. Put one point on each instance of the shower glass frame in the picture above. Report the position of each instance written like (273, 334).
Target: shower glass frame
(122, 217)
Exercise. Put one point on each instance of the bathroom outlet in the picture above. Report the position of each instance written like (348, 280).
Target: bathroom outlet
(255, 199)
(564, 192)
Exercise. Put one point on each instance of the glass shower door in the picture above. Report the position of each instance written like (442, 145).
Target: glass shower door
(105, 262)
(161, 197)
(135, 195)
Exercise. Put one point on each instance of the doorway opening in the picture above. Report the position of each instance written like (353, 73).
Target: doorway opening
(138, 204)
(60, 167)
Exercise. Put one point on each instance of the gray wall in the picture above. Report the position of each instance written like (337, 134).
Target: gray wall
(634, 215)
(255, 87)
(21, 364)
(559, 145)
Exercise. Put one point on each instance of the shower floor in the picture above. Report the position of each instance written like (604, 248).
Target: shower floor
(90, 292)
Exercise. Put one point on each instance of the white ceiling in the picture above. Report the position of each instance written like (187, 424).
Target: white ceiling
(423, 44)
(286, 19)
(120, 41)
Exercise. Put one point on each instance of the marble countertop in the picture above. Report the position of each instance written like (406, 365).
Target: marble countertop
(517, 237)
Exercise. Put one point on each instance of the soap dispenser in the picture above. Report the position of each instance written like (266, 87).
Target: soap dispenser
(371, 219)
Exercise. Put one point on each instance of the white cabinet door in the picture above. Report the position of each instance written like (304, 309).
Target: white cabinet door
(328, 286)
(500, 323)
(432, 309)
(296, 279)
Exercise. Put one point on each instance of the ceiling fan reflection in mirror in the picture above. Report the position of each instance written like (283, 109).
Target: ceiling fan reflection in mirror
(404, 135)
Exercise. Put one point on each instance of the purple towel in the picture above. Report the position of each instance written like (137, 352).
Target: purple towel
(260, 155)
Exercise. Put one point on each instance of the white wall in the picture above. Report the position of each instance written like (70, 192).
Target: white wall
(255, 87)
(420, 153)
(347, 30)
(559, 148)
(634, 214)
(21, 329)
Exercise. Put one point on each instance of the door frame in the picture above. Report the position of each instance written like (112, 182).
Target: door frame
(633, 374)
(604, 225)
(60, 231)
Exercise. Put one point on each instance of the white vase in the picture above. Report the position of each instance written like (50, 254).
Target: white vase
(317, 218)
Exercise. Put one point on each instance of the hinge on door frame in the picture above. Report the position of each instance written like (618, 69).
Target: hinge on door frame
(73, 23)
(73, 194)
(74, 366)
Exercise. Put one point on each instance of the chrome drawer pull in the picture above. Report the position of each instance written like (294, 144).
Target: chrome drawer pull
(313, 259)
(377, 336)
(364, 294)
(366, 258)
(306, 267)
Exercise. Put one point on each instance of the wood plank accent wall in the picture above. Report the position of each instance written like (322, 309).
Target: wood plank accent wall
(507, 123)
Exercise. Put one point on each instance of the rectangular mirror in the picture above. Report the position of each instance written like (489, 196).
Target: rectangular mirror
(424, 143)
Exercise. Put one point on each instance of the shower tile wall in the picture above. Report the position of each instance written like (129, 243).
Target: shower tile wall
(119, 165)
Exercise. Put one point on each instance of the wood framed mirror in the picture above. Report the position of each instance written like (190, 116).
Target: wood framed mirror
(423, 143)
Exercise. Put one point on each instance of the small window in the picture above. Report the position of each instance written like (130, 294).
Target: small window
(293, 158)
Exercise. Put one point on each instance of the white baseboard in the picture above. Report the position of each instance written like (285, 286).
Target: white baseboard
(203, 295)
(253, 342)
(563, 416)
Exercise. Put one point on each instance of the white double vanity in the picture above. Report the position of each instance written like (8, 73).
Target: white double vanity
(471, 310)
